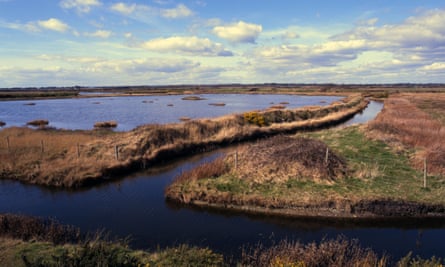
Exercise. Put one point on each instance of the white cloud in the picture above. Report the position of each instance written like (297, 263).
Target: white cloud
(180, 11)
(148, 13)
(187, 45)
(124, 8)
(53, 25)
(82, 6)
(99, 34)
(435, 66)
(240, 32)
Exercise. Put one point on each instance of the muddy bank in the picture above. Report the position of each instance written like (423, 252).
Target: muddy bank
(364, 209)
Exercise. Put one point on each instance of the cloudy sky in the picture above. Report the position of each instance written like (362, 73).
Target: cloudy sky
(151, 42)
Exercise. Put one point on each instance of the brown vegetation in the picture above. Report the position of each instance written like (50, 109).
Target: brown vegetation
(217, 104)
(105, 124)
(404, 125)
(334, 253)
(87, 158)
(281, 158)
(39, 123)
(192, 98)
(32, 228)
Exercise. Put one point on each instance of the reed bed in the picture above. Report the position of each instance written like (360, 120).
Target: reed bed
(338, 252)
(76, 158)
(404, 125)
(281, 158)
(105, 124)
(33, 228)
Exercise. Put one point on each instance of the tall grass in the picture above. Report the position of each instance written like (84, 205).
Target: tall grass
(71, 158)
(338, 252)
(32, 228)
(402, 122)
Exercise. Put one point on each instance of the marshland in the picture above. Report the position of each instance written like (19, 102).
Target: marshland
(356, 167)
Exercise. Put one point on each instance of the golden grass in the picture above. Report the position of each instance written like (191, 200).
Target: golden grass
(75, 158)
(403, 124)
(105, 124)
(281, 158)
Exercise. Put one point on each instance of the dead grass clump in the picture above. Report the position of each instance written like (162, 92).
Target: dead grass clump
(280, 158)
(402, 123)
(32, 228)
(193, 98)
(211, 169)
(217, 104)
(277, 107)
(105, 124)
(338, 252)
(184, 118)
(38, 123)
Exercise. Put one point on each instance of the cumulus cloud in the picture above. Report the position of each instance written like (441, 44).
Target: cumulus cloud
(143, 12)
(413, 45)
(99, 34)
(240, 32)
(82, 6)
(180, 11)
(124, 8)
(187, 45)
(53, 25)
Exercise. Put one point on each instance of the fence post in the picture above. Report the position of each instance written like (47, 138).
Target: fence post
(424, 172)
(236, 160)
(42, 146)
(327, 156)
(116, 152)
(78, 150)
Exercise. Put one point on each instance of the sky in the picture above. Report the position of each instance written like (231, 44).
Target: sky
(166, 42)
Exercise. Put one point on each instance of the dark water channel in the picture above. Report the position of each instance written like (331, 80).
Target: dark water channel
(135, 206)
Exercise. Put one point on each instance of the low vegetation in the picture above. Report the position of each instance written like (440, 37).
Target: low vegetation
(193, 98)
(403, 125)
(38, 123)
(362, 178)
(44, 157)
(105, 124)
(29, 241)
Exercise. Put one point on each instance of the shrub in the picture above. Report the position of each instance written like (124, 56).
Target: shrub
(255, 118)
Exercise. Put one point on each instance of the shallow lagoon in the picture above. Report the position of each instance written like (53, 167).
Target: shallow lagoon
(133, 111)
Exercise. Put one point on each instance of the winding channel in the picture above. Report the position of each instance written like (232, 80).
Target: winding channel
(135, 207)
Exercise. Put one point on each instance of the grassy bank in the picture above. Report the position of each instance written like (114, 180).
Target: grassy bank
(361, 178)
(29, 241)
(76, 158)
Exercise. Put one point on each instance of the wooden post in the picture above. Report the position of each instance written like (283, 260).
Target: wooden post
(7, 143)
(42, 146)
(116, 152)
(424, 173)
(236, 160)
(327, 156)
(78, 150)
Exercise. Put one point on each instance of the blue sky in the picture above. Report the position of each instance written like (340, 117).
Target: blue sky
(98, 42)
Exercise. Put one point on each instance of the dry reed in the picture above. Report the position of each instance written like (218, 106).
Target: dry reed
(45, 157)
(280, 158)
(336, 252)
(402, 123)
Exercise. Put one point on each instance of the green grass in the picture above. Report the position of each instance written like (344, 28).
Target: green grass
(375, 172)
(18, 253)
